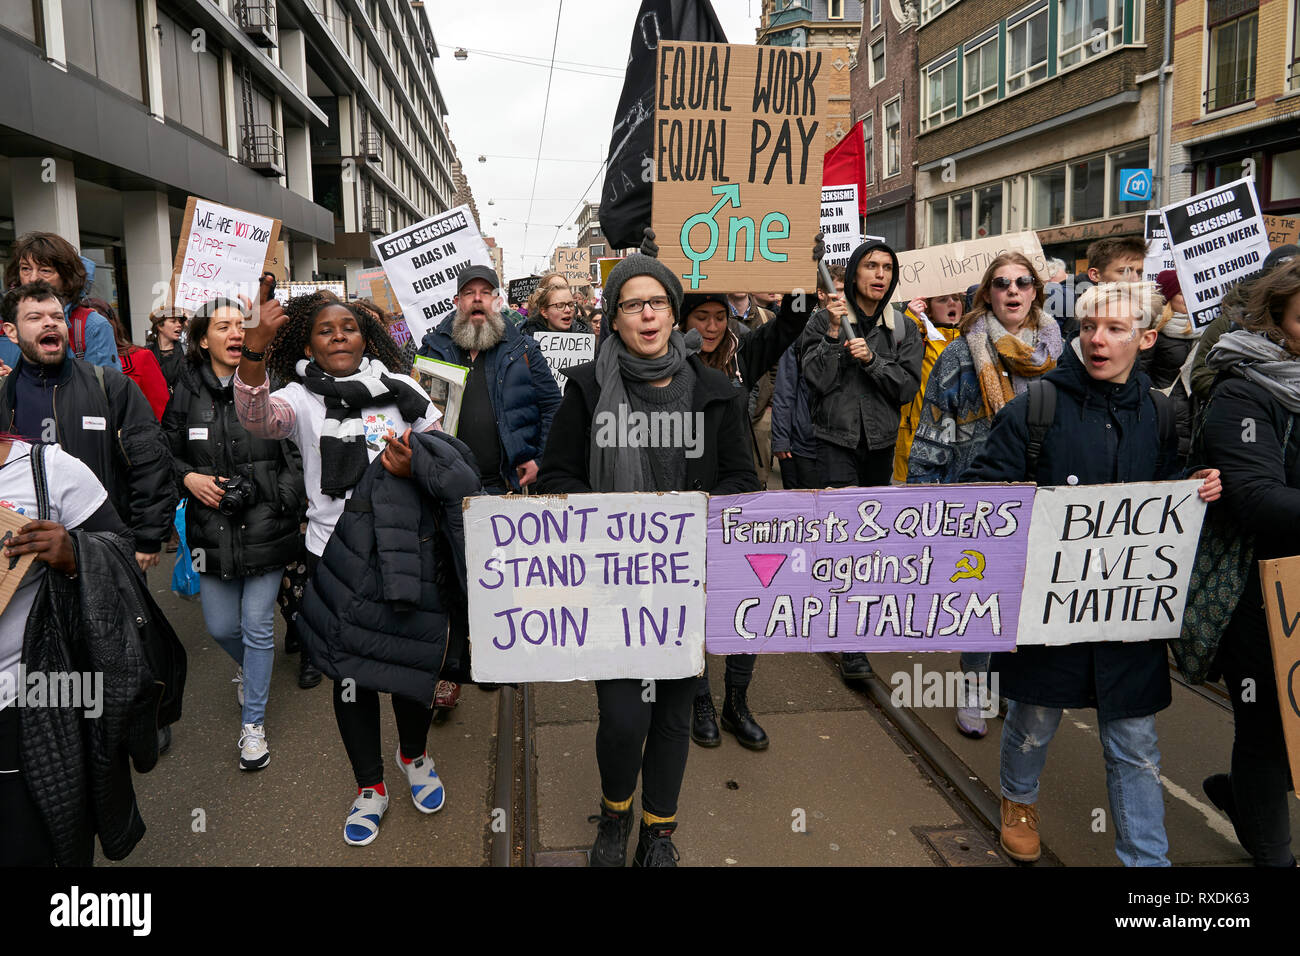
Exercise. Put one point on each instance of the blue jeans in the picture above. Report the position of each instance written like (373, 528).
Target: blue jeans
(240, 615)
(1137, 801)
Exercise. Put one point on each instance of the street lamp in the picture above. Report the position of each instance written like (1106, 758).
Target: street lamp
(461, 53)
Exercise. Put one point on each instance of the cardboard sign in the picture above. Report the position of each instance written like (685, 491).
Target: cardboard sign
(1280, 579)
(285, 291)
(739, 136)
(564, 350)
(1110, 562)
(925, 568)
(839, 222)
(956, 266)
(375, 286)
(222, 252)
(571, 263)
(13, 569)
(1218, 239)
(586, 587)
(1160, 255)
(606, 266)
(1282, 230)
(521, 290)
(423, 261)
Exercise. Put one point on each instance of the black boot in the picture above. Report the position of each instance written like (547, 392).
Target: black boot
(610, 848)
(654, 847)
(736, 719)
(308, 675)
(704, 722)
(854, 666)
(291, 643)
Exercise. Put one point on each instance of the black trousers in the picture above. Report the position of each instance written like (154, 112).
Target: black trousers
(644, 729)
(24, 840)
(839, 467)
(739, 673)
(799, 472)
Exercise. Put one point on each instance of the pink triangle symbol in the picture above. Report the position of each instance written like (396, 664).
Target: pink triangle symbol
(765, 566)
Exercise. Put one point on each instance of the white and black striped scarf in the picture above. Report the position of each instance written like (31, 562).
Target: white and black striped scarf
(343, 456)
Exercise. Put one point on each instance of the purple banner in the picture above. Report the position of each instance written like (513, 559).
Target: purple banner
(919, 568)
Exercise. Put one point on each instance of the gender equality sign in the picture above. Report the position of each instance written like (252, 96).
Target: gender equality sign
(586, 587)
(1280, 579)
(922, 568)
(1160, 256)
(571, 262)
(423, 261)
(1110, 562)
(222, 252)
(564, 350)
(739, 137)
(839, 223)
(1218, 238)
(956, 266)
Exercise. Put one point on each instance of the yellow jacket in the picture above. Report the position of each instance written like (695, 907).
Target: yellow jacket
(936, 338)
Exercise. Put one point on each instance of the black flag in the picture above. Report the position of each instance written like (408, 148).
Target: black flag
(625, 200)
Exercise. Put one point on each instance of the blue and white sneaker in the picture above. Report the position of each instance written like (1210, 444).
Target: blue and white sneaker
(427, 792)
(362, 825)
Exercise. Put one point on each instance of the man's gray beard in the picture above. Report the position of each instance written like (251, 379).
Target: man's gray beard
(478, 337)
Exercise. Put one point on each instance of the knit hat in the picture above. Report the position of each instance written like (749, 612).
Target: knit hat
(1167, 282)
(1289, 251)
(693, 300)
(638, 265)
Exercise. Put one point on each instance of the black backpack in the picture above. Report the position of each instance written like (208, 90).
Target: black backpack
(1042, 412)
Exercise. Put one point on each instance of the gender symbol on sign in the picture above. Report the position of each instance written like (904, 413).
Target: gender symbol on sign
(775, 225)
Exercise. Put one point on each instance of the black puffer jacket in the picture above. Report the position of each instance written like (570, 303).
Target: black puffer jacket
(77, 769)
(391, 582)
(205, 436)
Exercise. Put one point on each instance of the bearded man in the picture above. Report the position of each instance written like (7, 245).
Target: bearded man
(510, 397)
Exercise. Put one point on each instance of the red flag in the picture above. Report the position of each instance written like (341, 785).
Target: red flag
(845, 164)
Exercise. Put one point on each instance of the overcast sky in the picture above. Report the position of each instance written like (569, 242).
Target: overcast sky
(495, 106)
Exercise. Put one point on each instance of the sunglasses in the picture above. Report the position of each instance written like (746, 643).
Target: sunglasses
(1022, 282)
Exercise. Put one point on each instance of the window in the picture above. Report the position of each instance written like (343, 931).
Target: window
(869, 147)
(20, 17)
(938, 222)
(939, 93)
(103, 38)
(1284, 180)
(191, 81)
(988, 211)
(1047, 190)
(877, 61)
(1086, 28)
(1293, 68)
(932, 8)
(1232, 25)
(1026, 47)
(835, 10)
(971, 214)
(1088, 189)
(1136, 157)
(893, 145)
(960, 217)
(981, 71)
(875, 13)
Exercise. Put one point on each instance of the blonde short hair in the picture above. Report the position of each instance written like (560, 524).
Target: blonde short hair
(1142, 300)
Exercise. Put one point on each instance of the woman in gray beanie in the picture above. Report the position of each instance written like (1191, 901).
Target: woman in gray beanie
(645, 364)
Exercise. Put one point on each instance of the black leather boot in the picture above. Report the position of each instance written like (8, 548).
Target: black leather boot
(654, 846)
(308, 675)
(610, 848)
(737, 720)
(704, 722)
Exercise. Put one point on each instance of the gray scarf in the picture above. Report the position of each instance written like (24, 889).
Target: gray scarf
(615, 466)
(1261, 361)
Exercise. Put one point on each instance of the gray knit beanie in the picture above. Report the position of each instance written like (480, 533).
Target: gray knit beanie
(638, 265)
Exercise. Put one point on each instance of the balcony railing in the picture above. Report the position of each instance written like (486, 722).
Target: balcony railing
(374, 220)
(1230, 93)
(372, 146)
(262, 149)
(256, 18)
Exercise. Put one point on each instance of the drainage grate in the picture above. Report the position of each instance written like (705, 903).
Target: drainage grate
(960, 846)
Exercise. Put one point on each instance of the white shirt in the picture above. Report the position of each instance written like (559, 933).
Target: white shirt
(75, 494)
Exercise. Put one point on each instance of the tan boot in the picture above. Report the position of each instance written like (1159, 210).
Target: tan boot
(1020, 831)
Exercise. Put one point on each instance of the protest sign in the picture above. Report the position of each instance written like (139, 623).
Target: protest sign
(1160, 256)
(1282, 230)
(222, 252)
(423, 261)
(520, 290)
(925, 568)
(744, 127)
(564, 350)
(571, 263)
(586, 587)
(1110, 562)
(606, 266)
(839, 223)
(12, 569)
(284, 291)
(1218, 238)
(1280, 579)
(954, 267)
(445, 384)
(375, 285)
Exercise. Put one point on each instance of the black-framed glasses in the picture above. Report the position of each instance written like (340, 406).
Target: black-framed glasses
(566, 306)
(1022, 282)
(659, 303)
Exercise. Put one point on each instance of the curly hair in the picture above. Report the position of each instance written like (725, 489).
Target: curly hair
(291, 340)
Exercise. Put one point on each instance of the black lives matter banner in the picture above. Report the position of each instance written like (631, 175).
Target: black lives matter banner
(1218, 238)
(422, 264)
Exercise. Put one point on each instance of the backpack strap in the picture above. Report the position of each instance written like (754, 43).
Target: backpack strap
(1042, 412)
(77, 330)
(40, 483)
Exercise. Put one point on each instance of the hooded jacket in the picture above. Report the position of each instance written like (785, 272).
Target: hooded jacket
(1102, 433)
(101, 344)
(853, 401)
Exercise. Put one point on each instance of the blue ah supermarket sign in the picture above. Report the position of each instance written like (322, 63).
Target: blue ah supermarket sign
(1134, 184)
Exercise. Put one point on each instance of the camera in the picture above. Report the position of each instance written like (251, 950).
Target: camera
(239, 495)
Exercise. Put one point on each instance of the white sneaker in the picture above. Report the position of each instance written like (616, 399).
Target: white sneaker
(427, 792)
(253, 752)
(362, 824)
(970, 715)
(239, 685)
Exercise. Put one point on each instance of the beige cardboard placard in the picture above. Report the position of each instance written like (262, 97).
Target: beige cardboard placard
(222, 251)
(1282, 230)
(740, 133)
(571, 262)
(1280, 578)
(11, 569)
(955, 266)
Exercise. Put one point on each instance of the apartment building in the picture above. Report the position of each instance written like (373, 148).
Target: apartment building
(811, 23)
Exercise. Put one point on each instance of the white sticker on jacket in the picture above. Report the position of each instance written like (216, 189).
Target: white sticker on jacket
(198, 434)
(93, 423)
